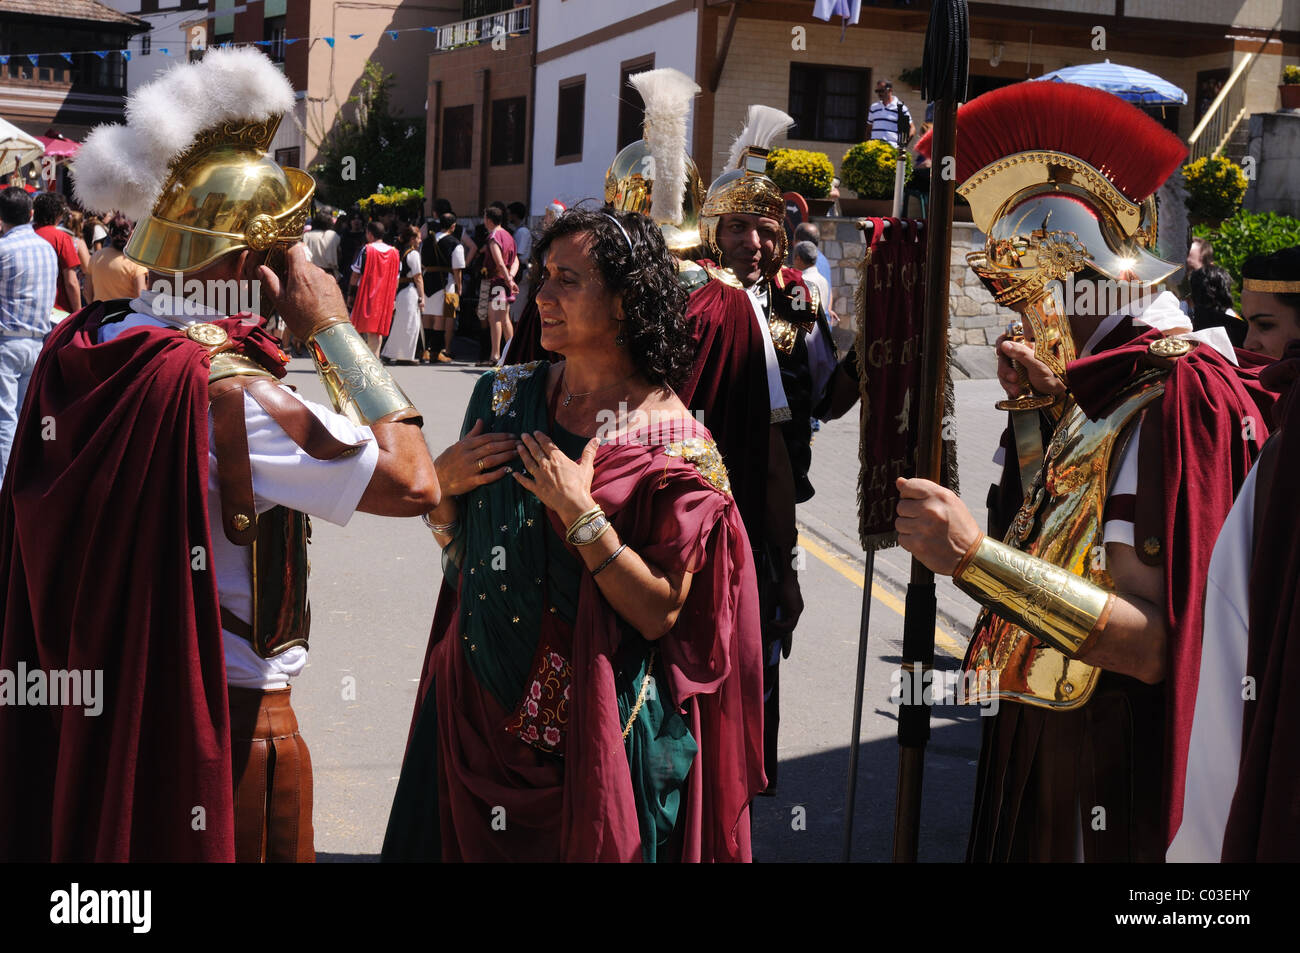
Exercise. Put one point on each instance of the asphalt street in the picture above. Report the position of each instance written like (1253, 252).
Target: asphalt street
(373, 587)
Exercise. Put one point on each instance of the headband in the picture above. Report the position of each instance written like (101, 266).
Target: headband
(1271, 287)
(626, 236)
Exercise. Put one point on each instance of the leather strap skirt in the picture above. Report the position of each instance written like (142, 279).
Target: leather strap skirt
(272, 776)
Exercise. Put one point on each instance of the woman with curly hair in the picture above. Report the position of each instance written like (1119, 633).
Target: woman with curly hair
(593, 685)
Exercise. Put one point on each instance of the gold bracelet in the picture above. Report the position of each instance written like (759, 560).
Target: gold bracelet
(358, 385)
(1052, 604)
(582, 520)
(590, 531)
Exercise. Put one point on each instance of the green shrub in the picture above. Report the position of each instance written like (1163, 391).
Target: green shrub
(1215, 187)
(1245, 235)
(868, 169)
(801, 170)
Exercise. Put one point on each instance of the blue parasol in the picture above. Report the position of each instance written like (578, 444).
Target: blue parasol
(1126, 82)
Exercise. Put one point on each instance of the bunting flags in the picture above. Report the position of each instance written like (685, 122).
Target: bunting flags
(329, 40)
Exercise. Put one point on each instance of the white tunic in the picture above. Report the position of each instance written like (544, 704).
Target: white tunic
(283, 475)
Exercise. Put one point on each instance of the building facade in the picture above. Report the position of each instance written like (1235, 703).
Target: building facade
(479, 136)
(62, 69)
(775, 52)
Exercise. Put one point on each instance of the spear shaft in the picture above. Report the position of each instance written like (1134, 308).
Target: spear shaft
(947, 45)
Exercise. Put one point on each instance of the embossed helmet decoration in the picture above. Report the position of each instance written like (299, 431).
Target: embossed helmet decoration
(190, 166)
(1061, 178)
(745, 188)
(654, 175)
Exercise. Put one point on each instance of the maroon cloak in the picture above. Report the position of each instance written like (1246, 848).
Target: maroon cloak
(1205, 452)
(728, 384)
(1264, 820)
(105, 567)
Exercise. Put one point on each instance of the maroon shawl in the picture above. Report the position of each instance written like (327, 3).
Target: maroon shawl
(102, 507)
(1204, 461)
(670, 515)
(728, 384)
(1264, 821)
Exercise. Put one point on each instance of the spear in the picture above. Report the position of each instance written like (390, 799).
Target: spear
(947, 48)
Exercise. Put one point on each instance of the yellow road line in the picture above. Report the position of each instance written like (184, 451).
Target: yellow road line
(854, 575)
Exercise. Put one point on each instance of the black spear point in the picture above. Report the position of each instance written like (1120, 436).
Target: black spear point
(945, 68)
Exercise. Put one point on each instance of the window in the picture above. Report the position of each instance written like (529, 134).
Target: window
(509, 130)
(273, 35)
(631, 110)
(828, 103)
(568, 119)
(146, 44)
(288, 158)
(457, 137)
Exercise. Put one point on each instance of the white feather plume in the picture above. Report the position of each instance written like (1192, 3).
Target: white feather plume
(667, 94)
(123, 168)
(762, 125)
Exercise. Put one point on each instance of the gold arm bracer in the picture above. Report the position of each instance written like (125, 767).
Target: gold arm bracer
(1051, 603)
(359, 386)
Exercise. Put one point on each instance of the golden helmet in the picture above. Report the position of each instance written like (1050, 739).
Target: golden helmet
(190, 164)
(744, 188)
(629, 186)
(1061, 179)
(745, 191)
(223, 194)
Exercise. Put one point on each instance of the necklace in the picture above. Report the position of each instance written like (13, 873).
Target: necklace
(569, 397)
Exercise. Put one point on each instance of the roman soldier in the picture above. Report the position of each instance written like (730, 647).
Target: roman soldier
(765, 357)
(154, 520)
(660, 157)
(1091, 631)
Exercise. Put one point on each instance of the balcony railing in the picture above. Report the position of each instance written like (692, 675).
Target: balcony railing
(482, 29)
(1221, 118)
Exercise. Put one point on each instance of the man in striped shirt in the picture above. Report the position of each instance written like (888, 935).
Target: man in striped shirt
(29, 271)
(882, 118)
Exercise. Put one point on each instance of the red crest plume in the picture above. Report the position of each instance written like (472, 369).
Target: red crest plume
(1126, 145)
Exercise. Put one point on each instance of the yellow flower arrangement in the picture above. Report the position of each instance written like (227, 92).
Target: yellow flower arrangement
(1215, 187)
(868, 168)
(390, 195)
(801, 170)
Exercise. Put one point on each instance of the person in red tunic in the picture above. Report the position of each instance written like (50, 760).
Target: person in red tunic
(373, 288)
(763, 358)
(154, 517)
(1090, 637)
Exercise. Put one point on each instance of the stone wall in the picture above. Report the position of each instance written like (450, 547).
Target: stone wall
(974, 318)
(1275, 146)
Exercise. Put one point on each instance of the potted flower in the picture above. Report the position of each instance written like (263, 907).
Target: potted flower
(806, 172)
(1290, 88)
(868, 169)
(1215, 188)
(912, 77)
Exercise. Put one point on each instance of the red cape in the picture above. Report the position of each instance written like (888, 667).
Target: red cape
(372, 313)
(728, 383)
(1264, 820)
(102, 507)
(1204, 461)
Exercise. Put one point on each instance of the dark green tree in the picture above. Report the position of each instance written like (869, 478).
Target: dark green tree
(370, 148)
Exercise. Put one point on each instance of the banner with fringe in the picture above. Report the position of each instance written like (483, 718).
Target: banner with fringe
(890, 302)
